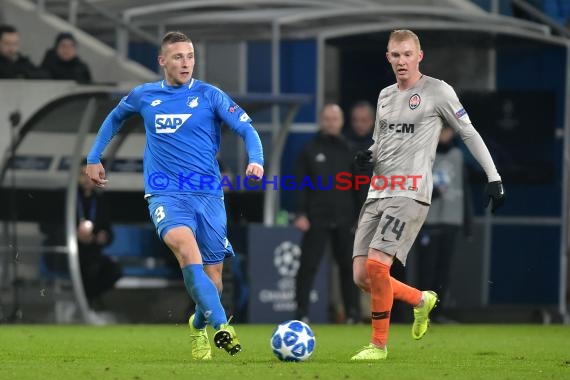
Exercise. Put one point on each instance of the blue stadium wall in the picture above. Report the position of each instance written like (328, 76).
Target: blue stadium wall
(525, 262)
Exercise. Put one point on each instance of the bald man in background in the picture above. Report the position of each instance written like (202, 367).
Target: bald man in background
(326, 213)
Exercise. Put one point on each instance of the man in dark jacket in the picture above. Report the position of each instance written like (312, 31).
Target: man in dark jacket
(359, 136)
(98, 272)
(326, 213)
(13, 65)
(62, 62)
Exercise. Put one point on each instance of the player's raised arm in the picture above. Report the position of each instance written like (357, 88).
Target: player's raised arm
(456, 116)
(110, 127)
(239, 121)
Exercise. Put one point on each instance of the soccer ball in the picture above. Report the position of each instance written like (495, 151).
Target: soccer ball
(293, 341)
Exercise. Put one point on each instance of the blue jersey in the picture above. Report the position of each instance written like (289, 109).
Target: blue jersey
(183, 130)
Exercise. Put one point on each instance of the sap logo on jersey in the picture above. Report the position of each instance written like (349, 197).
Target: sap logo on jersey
(170, 123)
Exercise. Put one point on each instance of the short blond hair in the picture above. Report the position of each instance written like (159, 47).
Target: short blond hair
(400, 35)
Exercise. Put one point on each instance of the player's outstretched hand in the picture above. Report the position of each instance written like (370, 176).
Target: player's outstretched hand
(254, 170)
(494, 193)
(97, 174)
(362, 159)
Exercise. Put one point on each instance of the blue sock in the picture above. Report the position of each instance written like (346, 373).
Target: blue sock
(205, 295)
(199, 319)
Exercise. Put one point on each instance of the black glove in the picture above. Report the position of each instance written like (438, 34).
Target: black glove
(362, 159)
(435, 193)
(494, 193)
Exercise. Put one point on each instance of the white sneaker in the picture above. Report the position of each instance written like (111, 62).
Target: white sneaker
(96, 319)
(65, 312)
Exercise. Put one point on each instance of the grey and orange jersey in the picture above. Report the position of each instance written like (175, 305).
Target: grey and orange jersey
(408, 125)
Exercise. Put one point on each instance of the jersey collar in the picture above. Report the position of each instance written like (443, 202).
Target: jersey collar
(163, 84)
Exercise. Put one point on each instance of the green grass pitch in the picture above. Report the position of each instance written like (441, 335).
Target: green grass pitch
(161, 352)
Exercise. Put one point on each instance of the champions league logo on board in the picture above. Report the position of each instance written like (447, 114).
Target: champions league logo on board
(281, 294)
(287, 259)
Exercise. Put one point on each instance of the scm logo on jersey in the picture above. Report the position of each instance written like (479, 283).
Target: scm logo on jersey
(401, 128)
(170, 123)
(386, 127)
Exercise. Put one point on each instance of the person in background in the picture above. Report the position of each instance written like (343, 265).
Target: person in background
(99, 272)
(62, 62)
(13, 65)
(359, 137)
(326, 215)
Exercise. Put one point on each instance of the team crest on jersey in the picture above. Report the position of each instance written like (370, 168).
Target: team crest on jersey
(414, 101)
(192, 102)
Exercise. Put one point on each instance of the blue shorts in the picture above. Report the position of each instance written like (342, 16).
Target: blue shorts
(205, 215)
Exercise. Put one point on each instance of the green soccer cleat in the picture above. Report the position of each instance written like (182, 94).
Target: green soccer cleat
(421, 314)
(199, 343)
(227, 339)
(371, 352)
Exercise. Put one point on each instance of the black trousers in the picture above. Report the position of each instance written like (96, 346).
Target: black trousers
(435, 255)
(313, 247)
(98, 272)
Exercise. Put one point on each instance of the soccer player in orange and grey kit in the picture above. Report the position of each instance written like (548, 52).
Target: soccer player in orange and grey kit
(409, 117)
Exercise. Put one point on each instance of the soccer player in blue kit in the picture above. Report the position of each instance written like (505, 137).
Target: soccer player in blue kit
(182, 118)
